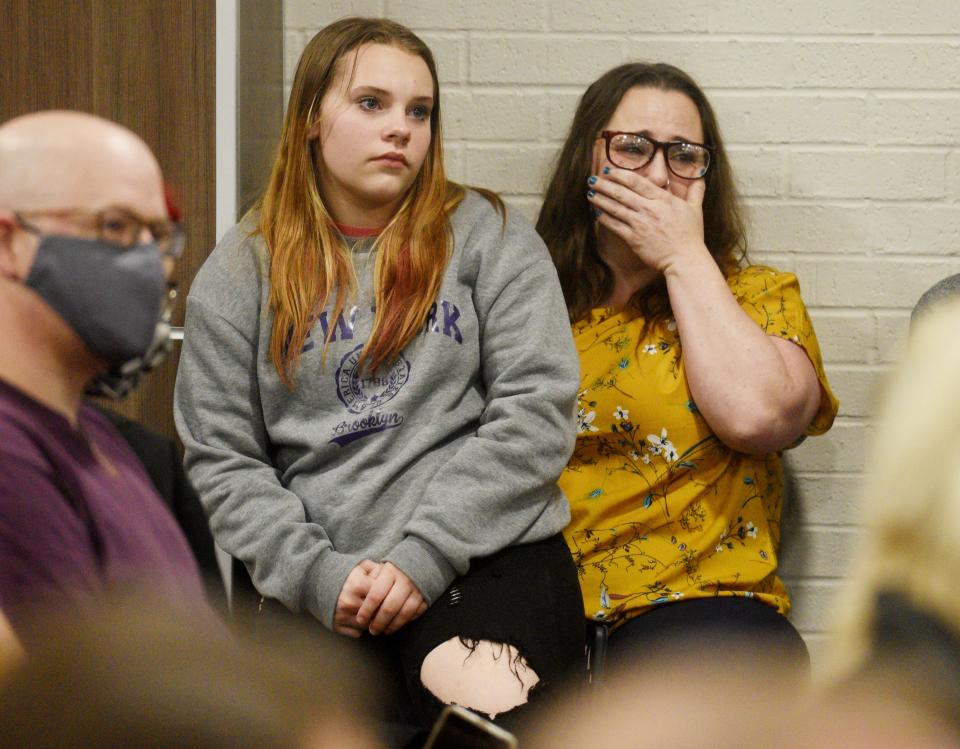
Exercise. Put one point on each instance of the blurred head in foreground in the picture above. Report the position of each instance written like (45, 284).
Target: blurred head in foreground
(141, 676)
(912, 491)
(727, 704)
(899, 635)
(685, 703)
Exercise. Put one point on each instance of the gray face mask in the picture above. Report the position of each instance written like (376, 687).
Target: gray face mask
(112, 298)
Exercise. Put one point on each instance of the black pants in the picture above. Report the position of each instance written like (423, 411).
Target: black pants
(527, 596)
(740, 633)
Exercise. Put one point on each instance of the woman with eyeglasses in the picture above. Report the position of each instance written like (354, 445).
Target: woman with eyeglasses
(367, 405)
(697, 370)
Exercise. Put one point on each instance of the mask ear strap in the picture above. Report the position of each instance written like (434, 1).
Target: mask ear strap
(117, 382)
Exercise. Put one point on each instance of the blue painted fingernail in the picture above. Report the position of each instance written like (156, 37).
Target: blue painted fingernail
(597, 213)
(590, 193)
(591, 180)
(606, 170)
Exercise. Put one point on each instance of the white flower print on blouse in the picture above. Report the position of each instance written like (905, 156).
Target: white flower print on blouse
(662, 446)
(585, 421)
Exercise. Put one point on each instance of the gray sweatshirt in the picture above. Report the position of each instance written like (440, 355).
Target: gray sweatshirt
(451, 453)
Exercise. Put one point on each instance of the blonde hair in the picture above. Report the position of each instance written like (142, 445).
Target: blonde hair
(911, 496)
(309, 262)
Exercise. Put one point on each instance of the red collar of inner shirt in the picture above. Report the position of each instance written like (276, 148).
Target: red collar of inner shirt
(358, 231)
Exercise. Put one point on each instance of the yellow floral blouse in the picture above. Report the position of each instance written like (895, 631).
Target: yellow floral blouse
(661, 509)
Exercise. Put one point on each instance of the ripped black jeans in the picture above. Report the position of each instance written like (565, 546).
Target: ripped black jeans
(527, 596)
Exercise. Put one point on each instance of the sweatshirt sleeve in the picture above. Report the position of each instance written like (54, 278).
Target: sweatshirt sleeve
(500, 488)
(219, 417)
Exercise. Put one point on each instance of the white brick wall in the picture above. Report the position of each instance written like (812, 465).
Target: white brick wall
(843, 121)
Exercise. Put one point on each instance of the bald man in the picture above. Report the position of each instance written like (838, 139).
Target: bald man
(86, 249)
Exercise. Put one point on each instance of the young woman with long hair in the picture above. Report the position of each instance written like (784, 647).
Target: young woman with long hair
(696, 371)
(369, 408)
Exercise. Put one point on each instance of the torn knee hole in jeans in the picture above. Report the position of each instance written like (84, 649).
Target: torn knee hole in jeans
(486, 676)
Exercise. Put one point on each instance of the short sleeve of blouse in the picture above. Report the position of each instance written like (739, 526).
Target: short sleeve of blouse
(772, 300)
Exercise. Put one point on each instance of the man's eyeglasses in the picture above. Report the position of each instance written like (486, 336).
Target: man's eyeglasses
(117, 226)
(634, 151)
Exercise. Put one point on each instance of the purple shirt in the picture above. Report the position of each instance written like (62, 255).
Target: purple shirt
(73, 527)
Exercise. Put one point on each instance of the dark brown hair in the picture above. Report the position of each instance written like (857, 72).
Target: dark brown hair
(565, 220)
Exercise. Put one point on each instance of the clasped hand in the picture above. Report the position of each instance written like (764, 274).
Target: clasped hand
(655, 224)
(376, 598)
